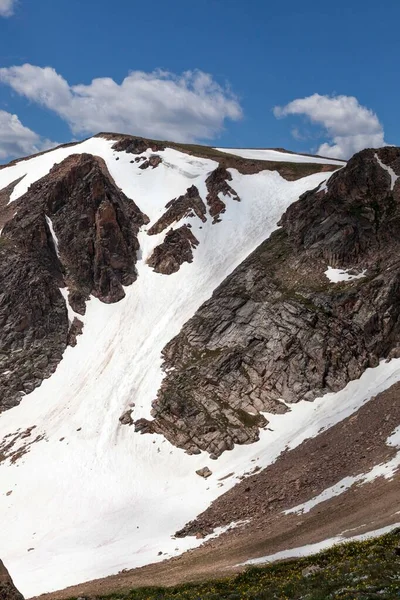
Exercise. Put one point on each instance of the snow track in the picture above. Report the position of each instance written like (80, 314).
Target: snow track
(94, 497)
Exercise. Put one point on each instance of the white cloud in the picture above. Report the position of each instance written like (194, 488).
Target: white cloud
(17, 140)
(160, 104)
(7, 7)
(349, 125)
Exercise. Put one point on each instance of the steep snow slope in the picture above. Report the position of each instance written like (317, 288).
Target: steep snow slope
(277, 155)
(94, 497)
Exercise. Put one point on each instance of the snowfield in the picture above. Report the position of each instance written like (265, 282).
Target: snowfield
(94, 497)
(280, 156)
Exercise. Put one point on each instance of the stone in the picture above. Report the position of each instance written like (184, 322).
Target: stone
(126, 418)
(205, 472)
(189, 204)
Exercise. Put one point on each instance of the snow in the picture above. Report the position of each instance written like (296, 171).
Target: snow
(94, 497)
(71, 313)
(323, 186)
(386, 470)
(393, 176)
(277, 155)
(53, 235)
(339, 275)
(311, 549)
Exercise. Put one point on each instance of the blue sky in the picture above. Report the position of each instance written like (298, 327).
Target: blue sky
(211, 71)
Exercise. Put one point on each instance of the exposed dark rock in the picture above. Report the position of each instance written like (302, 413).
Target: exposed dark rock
(144, 426)
(176, 249)
(277, 328)
(137, 145)
(96, 228)
(8, 591)
(357, 219)
(153, 161)
(33, 321)
(217, 184)
(126, 418)
(7, 209)
(76, 328)
(205, 472)
(190, 204)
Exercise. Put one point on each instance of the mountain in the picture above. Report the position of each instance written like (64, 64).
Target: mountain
(199, 350)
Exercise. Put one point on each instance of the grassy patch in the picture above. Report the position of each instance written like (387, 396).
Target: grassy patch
(353, 571)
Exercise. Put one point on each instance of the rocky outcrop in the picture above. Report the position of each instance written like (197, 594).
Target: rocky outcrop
(277, 328)
(135, 145)
(217, 183)
(153, 162)
(95, 227)
(188, 205)
(72, 228)
(356, 221)
(176, 249)
(6, 208)
(8, 591)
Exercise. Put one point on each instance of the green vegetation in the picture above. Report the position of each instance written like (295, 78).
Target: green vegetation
(353, 571)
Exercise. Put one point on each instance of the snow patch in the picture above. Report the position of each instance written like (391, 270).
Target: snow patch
(71, 313)
(53, 234)
(393, 176)
(339, 275)
(278, 156)
(311, 549)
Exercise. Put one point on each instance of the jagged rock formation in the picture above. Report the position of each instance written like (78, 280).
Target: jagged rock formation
(217, 183)
(187, 205)
(136, 145)
(153, 161)
(72, 228)
(276, 328)
(174, 251)
(8, 591)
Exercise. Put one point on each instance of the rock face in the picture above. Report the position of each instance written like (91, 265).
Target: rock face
(217, 183)
(73, 228)
(277, 328)
(188, 205)
(136, 145)
(7, 589)
(174, 251)
(153, 162)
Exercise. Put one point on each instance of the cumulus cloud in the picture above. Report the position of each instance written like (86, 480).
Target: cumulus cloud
(160, 104)
(17, 140)
(7, 7)
(349, 125)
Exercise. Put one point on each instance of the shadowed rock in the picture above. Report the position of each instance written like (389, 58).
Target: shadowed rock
(188, 205)
(176, 249)
(8, 591)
